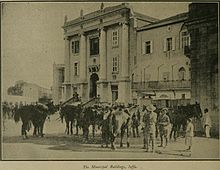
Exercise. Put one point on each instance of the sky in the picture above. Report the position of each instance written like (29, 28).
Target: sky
(32, 35)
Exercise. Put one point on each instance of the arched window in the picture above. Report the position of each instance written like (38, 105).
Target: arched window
(182, 72)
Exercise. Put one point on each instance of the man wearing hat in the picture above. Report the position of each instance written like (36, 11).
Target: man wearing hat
(150, 126)
(144, 113)
(164, 126)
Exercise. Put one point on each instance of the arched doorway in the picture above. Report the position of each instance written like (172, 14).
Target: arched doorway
(93, 86)
(182, 72)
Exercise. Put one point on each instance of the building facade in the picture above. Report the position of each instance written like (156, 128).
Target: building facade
(99, 48)
(162, 69)
(29, 93)
(202, 25)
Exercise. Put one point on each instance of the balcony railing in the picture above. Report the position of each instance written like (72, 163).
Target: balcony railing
(162, 85)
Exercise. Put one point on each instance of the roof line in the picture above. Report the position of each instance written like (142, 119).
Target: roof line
(171, 20)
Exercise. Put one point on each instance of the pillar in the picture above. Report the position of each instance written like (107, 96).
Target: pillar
(102, 54)
(67, 60)
(83, 65)
(67, 68)
(103, 67)
(124, 84)
(124, 54)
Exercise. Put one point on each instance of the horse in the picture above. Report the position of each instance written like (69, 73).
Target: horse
(179, 115)
(71, 114)
(118, 123)
(90, 116)
(7, 110)
(35, 114)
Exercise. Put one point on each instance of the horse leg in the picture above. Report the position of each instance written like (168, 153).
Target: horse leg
(77, 129)
(71, 127)
(128, 139)
(41, 129)
(93, 130)
(137, 130)
(122, 135)
(133, 130)
(112, 141)
(23, 131)
(67, 127)
(87, 133)
(35, 131)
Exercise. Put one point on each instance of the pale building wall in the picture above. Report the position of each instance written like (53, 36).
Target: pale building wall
(151, 62)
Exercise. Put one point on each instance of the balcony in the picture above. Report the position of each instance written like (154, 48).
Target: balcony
(162, 85)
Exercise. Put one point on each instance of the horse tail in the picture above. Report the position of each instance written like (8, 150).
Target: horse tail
(17, 115)
(29, 125)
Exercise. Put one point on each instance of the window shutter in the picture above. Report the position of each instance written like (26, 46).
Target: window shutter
(143, 48)
(151, 46)
(164, 44)
(173, 43)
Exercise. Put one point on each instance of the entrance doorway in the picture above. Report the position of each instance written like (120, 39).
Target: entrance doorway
(114, 93)
(93, 85)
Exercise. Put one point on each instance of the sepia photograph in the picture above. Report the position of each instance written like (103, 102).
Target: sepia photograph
(109, 81)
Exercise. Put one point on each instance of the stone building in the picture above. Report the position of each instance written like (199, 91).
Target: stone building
(58, 80)
(99, 48)
(161, 69)
(30, 93)
(202, 25)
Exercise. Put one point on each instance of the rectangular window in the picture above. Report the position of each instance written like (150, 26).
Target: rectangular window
(76, 69)
(75, 47)
(169, 44)
(185, 39)
(115, 64)
(147, 47)
(94, 46)
(183, 96)
(115, 38)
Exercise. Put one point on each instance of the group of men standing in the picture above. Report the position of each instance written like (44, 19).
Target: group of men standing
(151, 121)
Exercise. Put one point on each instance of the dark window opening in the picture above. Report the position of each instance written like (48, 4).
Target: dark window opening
(94, 46)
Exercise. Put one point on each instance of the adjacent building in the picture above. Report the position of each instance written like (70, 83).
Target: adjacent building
(29, 93)
(202, 24)
(161, 69)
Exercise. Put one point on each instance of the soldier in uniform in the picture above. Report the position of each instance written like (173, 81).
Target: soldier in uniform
(164, 126)
(144, 114)
(150, 120)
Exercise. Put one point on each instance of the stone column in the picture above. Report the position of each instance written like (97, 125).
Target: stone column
(124, 54)
(67, 60)
(124, 84)
(83, 65)
(103, 66)
(102, 54)
(67, 68)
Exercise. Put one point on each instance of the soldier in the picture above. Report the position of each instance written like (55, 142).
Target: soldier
(144, 114)
(150, 120)
(164, 126)
(135, 123)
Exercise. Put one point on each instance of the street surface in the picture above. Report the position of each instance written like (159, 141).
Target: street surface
(58, 146)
